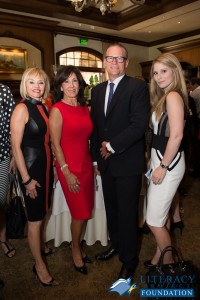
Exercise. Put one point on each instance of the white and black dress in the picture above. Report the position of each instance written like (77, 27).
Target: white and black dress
(6, 107)
(160, 196)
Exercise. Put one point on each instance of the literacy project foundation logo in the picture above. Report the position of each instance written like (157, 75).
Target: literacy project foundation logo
(123, 286)
(178, 286)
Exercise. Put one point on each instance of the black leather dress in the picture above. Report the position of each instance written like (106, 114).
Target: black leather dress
(38, 158)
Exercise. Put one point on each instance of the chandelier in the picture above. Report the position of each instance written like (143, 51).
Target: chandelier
(104, 5)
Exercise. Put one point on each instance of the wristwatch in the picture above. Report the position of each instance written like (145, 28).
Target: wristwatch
(163, 166)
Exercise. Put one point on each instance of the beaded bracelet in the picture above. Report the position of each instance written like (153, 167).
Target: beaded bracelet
(27, 182)
(64, 166)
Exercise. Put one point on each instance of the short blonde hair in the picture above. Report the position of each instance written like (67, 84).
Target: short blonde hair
(28, 73)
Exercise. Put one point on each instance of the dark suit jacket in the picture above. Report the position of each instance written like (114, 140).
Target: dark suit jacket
(124, 126)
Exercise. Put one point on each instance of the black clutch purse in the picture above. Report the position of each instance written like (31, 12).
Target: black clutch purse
(16, 216)
(175, 276)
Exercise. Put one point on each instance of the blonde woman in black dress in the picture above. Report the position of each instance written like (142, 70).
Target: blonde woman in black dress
(169, 106)
(31, 149)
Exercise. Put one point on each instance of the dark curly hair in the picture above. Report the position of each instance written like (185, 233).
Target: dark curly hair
(62, 74)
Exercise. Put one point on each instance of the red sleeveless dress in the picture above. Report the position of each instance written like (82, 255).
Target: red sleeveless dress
(76, 130)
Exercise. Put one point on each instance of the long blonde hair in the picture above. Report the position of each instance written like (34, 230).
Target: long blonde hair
(158, 95)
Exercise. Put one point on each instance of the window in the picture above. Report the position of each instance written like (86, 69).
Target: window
(89, 61)
(80, 59)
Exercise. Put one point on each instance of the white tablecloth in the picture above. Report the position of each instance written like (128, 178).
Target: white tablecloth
(58, 224)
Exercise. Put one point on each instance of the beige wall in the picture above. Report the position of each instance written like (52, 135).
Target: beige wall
(63, 41)
(137, 54)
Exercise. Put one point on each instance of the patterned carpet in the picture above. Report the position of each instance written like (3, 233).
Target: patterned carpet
(21, 284)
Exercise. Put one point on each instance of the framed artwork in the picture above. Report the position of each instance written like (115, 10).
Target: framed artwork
(12, 60)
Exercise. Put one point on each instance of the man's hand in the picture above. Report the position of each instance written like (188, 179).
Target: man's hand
(96, 171)
(103, 150)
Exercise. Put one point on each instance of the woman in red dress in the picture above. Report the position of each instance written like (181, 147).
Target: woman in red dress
(70, 130)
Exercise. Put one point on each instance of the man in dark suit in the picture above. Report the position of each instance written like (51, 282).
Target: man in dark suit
(120, 115)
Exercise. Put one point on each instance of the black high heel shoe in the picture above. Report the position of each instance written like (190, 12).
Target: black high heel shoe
(52, 282)
(180, 225)
(82, 270)
(148, 264)
(86, 258)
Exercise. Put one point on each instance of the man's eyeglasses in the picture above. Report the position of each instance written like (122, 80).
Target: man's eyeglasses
(119, 59)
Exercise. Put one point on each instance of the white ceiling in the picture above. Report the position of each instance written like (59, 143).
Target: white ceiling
(184, 19)
(178, 21)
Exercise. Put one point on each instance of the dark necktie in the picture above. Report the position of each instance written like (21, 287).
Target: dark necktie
(110, 94)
